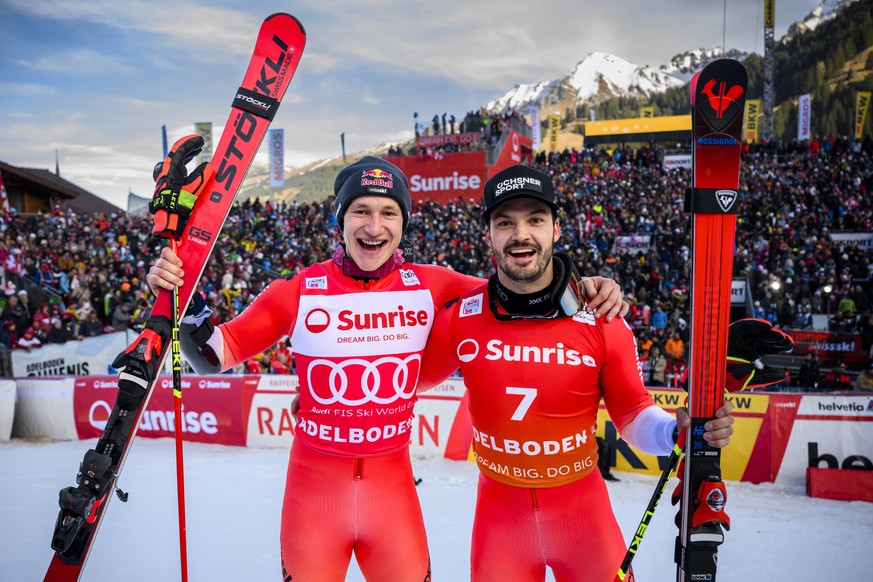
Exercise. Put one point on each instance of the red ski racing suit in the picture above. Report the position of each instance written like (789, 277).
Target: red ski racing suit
(358, 348)
(534, 389)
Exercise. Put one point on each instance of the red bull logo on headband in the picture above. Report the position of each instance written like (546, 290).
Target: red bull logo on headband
(377, 177)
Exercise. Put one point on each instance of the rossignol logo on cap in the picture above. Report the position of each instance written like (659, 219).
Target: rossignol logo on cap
(511, 184)
(377, 177)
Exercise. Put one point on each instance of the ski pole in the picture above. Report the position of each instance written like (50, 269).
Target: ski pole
(672, 463)
(177, 407)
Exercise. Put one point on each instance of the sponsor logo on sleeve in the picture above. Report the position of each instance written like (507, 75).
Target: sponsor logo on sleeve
(409, 278)
(471, 305)
(585, 317)
(316, 283)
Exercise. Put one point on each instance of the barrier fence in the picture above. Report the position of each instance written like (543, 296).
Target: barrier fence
(777, 436)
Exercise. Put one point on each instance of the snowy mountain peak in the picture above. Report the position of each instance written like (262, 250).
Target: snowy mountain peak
(601, 76)
(597, 77)
(684, 65)
(522, 95)
(825, 11)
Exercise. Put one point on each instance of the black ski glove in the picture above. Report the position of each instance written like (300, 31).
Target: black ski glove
(198, 311)
(176, 191)
(197, 325)
(748, 341)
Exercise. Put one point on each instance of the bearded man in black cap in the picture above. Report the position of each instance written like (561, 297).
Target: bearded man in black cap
(358, 324)
(536, 366)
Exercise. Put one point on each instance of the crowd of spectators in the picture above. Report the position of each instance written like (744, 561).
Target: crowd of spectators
(84, 275)
(793, 198)
(489, 126)
(473, 121)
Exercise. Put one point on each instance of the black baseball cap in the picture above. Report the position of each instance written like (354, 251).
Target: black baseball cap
(518, 182)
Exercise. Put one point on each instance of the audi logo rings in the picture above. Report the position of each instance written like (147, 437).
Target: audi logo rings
(403, 380)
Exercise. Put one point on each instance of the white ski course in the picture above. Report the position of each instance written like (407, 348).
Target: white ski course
(234, 498)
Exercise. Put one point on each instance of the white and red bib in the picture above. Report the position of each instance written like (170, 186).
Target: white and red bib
(357, 347)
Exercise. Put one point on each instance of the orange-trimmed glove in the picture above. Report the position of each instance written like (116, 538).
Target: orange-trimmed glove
(176, 192)
(748, 341)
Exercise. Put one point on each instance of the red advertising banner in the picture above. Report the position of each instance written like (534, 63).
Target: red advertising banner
(516, 150)
(214, 409)
(780, 424)
(828, 346)
(456, 175)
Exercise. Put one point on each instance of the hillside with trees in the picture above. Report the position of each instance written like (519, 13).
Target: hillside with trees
(831, 62)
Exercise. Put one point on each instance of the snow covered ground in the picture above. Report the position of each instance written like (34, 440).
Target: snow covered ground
(234, 497)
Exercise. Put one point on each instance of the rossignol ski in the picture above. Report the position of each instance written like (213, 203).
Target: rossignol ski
(718, 96)
(277, 52)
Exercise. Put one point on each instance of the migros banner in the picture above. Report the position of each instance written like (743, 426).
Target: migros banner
(455, 175)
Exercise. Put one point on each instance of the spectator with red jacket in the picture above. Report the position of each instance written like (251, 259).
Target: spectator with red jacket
(42, 321)
(28, 340)
(837, 378)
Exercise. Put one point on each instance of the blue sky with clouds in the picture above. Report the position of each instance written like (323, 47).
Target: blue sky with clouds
(96, 79)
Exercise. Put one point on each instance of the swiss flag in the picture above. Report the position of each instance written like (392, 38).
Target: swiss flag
(11, 264)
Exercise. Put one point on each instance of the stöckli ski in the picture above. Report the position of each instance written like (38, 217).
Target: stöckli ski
(277, 53)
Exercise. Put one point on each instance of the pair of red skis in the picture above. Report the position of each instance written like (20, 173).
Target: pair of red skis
(718, 95)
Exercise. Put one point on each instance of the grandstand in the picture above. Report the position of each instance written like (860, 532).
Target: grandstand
(804, 238)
